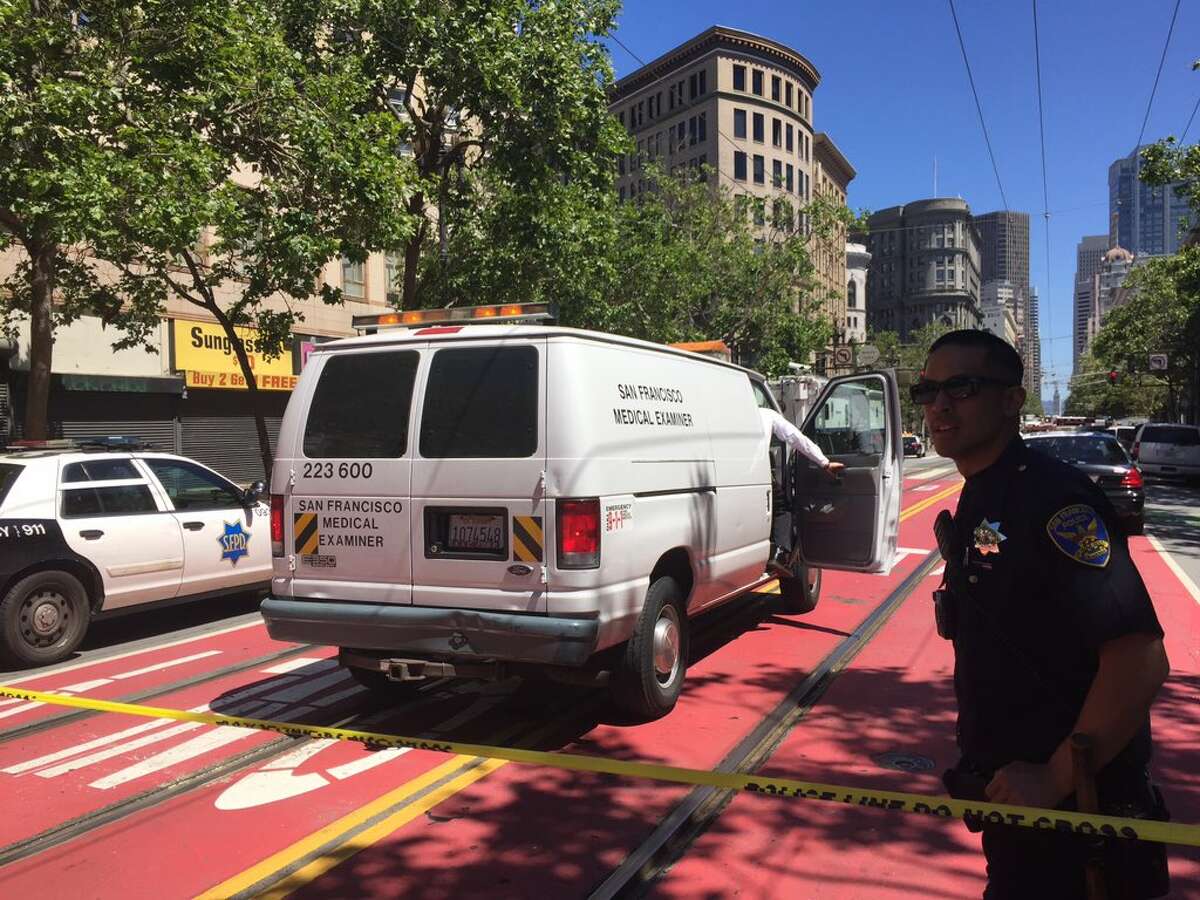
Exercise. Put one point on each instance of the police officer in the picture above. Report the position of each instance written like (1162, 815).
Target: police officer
(1054, 634)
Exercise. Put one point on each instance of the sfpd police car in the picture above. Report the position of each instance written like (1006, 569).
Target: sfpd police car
(85, 530)
(471, 499)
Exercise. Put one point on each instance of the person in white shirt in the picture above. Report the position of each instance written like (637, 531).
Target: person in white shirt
(777, 426)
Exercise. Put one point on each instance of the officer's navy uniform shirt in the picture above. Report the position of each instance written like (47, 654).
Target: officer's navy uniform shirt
(1040, 606)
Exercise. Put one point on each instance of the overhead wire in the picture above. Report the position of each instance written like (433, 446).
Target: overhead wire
(1157, 75)
(1188, 126)
(978, 106)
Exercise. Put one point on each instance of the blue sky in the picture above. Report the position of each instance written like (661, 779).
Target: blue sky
(894, 94)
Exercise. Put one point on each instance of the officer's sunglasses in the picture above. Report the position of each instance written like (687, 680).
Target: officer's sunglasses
(957, 387)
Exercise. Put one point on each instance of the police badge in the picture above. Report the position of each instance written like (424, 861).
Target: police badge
(988, 537)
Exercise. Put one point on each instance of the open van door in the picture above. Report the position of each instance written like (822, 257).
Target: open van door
(851, 522)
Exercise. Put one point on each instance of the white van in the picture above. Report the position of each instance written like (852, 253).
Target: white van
(480, 500)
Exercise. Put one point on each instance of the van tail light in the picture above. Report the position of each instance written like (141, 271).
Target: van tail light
(1137, 446)
(578, 534)
(1133, 479)
(277, 524)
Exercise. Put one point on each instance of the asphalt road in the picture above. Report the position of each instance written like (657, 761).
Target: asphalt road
(1173, 519)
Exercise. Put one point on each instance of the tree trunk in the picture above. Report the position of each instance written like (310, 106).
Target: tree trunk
(260, 422)
(41, 339)
(412, 252)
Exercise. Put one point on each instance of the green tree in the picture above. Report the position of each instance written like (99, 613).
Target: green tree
(908, 359)
(79, 119)
(504, 109)
(1095, 396)
(241, 167)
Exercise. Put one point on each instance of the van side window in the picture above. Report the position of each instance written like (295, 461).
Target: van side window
(361, 405)
(481, 403)
(760, 395)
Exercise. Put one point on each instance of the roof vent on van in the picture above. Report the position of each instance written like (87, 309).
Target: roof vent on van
(532, 313)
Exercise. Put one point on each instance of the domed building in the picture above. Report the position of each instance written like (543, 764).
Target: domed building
(1108, 286)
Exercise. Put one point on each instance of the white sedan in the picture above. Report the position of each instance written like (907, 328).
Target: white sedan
(85, 531)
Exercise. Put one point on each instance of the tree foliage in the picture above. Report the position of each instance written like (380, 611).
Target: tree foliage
(1094, 396)
(220, 166)
(908, 359)
(503, 105)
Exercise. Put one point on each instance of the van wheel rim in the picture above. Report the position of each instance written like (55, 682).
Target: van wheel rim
(43, 618)
(666, 645)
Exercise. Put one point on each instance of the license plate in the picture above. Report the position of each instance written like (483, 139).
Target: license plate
(475, 533)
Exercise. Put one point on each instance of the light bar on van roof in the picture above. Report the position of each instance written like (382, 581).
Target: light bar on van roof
(543, 313)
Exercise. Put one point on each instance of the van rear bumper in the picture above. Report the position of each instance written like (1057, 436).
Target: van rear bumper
(432, 632)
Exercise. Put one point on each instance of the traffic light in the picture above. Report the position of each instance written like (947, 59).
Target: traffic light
(1113, 375)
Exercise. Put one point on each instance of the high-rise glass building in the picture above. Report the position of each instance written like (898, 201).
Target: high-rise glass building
(1146, 220)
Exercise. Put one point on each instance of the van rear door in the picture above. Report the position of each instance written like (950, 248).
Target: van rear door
(852, 522)
(478, 500)
(348, 522)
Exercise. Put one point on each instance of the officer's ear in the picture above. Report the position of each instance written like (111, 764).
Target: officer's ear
(1014, 400)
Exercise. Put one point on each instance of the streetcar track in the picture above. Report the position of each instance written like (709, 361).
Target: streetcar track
(120, 809)
(693, 815)
(67, 718)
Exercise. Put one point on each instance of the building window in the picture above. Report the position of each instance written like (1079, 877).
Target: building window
(851, 293)
(759, 127)
(739, 78)
(788, 95)
(790, 133)
(392, 270)
(783, 219)
(621, 164)
(702, 128)
(739, 123)
(680, 133)
(760, 208)
(621, 193)
(760, 169)
(776, 87)
(354, 279)
(739, 166)
(692, 131)
(757, 82)
(693, 86)
(791, 181)
(621, 118)
(776, 173)
(777, 132)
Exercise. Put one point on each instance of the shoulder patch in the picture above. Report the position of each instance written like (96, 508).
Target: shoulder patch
(1080, 533)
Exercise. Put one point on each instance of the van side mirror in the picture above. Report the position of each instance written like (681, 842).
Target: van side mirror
(254, 493)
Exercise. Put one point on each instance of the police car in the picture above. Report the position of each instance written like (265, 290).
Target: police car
(90, 529)
(469, 496)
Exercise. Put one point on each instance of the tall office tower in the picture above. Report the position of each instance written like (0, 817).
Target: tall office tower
(1088, 255)
(1146, 220)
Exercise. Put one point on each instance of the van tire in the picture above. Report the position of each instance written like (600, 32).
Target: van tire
(383, 688)
(642, 686)
(801, 592)
(43, 618)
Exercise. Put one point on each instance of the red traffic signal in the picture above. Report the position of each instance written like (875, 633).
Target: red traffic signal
(1113, 375)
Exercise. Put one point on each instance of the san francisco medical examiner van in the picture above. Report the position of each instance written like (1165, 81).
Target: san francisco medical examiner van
(461, 499)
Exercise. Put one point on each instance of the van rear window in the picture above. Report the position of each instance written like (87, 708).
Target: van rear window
(1182, 435)
(361, 405)
(481, 403)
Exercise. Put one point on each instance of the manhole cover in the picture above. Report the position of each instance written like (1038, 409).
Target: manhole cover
(904, 762)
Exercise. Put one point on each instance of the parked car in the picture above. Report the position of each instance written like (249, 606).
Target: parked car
(1124, 433)
(87, 531)
(1102, 458)
(913, 446)
(1166, 449)
(443, 507)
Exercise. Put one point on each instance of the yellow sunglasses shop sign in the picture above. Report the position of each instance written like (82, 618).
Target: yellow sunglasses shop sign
(205, 356)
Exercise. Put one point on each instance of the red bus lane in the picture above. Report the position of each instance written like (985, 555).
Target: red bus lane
(516, 815)
(136, 675)
(888, 722)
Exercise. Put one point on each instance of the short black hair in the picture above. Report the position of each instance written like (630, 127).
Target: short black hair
(1001, 355)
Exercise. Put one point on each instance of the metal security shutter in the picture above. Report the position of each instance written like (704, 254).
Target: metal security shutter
(228, 444)
(158, 433)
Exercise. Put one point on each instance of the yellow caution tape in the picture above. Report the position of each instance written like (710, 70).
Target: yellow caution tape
(922, 804)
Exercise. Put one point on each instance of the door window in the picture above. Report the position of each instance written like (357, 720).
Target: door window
(8, 477)
(361, 406)
(481, 403)
(194, 488)
(118, 500)
(100, 470)
(852, 421)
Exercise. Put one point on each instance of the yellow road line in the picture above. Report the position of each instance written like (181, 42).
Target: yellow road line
(373, 834)
(316, 840)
